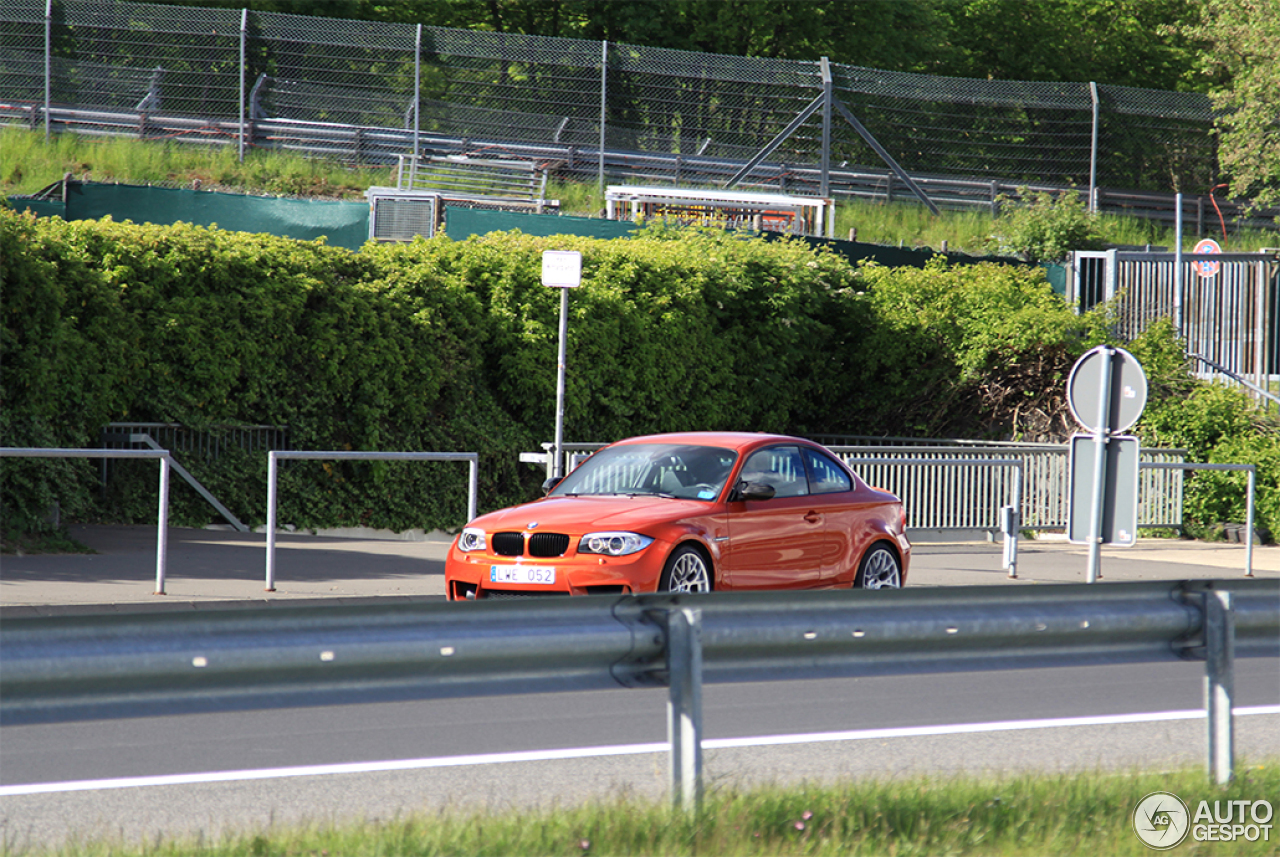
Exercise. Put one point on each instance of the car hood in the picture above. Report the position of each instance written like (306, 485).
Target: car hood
(587, 514)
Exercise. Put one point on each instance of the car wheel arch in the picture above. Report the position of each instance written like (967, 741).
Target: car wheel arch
(894, 550)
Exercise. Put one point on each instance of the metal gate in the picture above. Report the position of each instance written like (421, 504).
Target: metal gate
(1226, 312)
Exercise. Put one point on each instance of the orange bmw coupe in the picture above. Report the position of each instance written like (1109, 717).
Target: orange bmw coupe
(691, 512)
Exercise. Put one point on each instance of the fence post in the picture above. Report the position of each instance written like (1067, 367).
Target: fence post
(244, 28)
(684, 706)
(162, 525)
(272, 465)
(604, 77)
(48, 62)
(1249, 517)
(1219, 682)
(1093, 150)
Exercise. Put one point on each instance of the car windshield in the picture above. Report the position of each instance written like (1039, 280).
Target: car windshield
(663, 469)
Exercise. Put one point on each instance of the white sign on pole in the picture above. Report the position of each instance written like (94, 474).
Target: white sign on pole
(561, 269)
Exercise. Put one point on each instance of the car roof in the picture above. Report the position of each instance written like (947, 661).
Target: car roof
(737, 440)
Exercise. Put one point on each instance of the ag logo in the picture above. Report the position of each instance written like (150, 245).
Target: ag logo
(1161, 820)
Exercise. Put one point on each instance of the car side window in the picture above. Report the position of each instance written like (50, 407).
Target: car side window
(779, 466)
(825, 475)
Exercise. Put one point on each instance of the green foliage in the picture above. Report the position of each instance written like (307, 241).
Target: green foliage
(451, 346)
(1044, 227)
(1199, 422)
(932, 337)
(1219, 425)
(1241, 40)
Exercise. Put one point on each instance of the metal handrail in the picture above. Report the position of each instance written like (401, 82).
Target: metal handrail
(1239, 379)
(61, 668)
(161, 455)
(276, 455)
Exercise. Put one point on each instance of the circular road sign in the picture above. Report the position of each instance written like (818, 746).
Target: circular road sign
(1127, 382)
(1205, 267)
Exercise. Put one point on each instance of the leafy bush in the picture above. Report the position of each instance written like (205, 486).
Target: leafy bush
(961, 351)
(443, 345)
(1220, 425)
(1044, 227)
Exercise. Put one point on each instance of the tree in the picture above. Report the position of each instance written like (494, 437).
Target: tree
(1242, 39)
(1138, 43)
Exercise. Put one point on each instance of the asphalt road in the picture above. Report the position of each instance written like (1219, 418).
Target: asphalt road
(202, 774)
(209, 772)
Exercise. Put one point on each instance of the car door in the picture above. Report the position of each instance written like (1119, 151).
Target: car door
(775, 543)
(833, 493)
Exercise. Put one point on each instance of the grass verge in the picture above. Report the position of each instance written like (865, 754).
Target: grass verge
(1064, 814)
(30, 163)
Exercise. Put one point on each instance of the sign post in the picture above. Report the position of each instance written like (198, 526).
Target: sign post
(1106, 392)
(561, 269)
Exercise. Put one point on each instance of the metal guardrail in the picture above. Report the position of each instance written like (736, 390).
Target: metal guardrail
(161, 455)
(273, 467)
(61, 668)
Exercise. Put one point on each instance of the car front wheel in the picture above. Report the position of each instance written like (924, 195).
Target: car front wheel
(686, 571)
(880, 569)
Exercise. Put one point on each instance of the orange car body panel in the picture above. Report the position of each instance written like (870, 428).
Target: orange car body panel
(804, 542)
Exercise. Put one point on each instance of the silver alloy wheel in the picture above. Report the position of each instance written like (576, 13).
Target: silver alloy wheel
(687, 572)
(880, 570)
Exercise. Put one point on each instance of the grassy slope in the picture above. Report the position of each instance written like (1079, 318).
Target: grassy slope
(29, 164)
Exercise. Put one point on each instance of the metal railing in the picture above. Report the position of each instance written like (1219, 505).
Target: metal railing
(942, 496)
(166, 462)
(275, 456)
(102, 666)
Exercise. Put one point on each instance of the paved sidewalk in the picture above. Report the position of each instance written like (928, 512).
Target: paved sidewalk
(218, 568)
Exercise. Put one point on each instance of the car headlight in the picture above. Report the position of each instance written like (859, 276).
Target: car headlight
(613, 544)
(472, 539)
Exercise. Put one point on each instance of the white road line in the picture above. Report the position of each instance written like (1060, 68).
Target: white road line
(616, 750)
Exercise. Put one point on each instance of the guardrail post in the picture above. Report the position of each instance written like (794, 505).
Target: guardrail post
(1219, 682)
(684, 706)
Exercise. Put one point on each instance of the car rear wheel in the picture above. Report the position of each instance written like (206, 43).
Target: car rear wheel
(686, 571)
(880, 569)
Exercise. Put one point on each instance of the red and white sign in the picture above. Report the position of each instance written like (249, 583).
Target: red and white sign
(1205, 267)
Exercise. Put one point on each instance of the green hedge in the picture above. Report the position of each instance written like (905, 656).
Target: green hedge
(451, 345)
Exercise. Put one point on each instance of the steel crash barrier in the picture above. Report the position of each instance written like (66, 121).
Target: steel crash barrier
(60, 668)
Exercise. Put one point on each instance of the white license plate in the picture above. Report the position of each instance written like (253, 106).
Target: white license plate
(521, 574)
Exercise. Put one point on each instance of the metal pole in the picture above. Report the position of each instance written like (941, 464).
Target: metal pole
(560, 364)
(604, 73)
(1016, 524)
(1219, 682)
(1177, 266)
(244, 27)
(271, 521)
(1248, 522)
(1093, 150)
(1100, 467)
(684, 706)
(824, 188)
(48, 64)
(162, 525)
(473, 482)
(417, 99)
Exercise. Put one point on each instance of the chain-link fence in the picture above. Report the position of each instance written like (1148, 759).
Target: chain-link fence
(369, 92)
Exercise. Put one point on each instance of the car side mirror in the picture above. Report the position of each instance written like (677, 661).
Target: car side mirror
(754, 491)
(550, 484)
